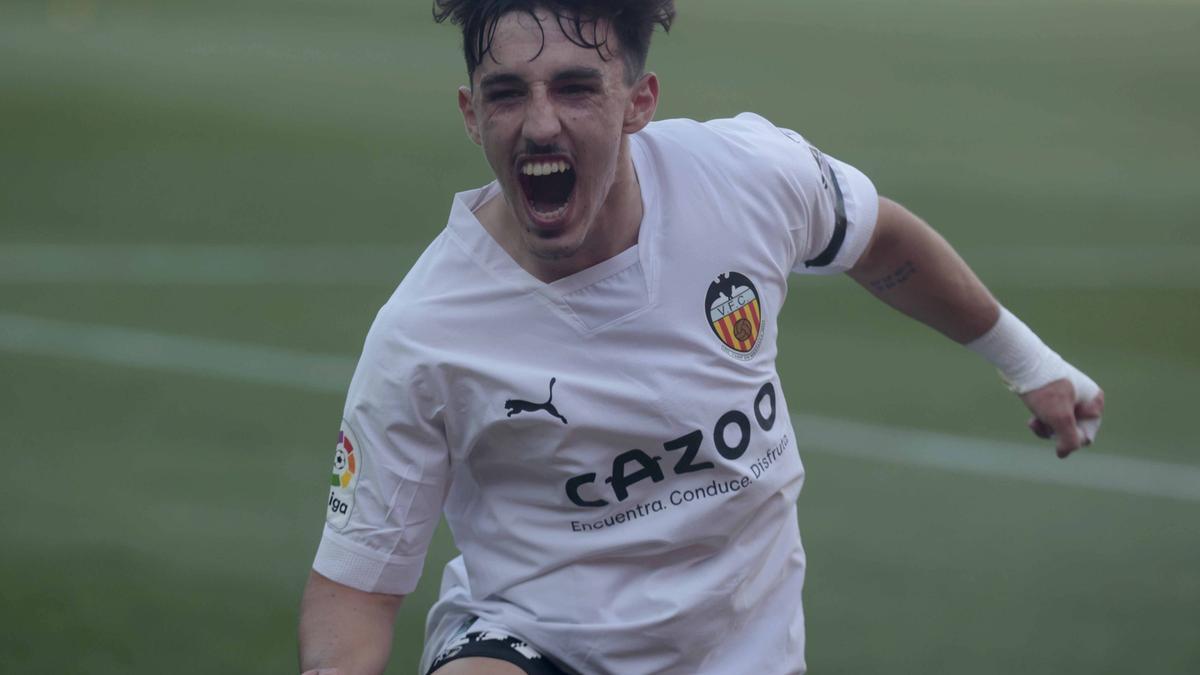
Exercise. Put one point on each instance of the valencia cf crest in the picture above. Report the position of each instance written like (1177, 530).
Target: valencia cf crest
(734, 310)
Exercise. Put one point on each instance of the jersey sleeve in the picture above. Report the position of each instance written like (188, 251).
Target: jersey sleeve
(833, 206)
(390, 471)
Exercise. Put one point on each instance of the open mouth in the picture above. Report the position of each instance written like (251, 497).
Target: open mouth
(548, 184)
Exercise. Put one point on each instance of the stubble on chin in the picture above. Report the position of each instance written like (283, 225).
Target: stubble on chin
(550, 252)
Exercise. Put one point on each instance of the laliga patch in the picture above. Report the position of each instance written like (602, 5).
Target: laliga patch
(734, 310)
(347, 468)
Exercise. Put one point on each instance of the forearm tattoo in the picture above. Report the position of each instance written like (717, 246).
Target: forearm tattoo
(901, 275)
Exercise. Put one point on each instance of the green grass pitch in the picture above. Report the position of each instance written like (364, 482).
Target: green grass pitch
(159, 521)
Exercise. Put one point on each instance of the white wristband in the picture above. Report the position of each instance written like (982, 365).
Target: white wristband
(1026, 363)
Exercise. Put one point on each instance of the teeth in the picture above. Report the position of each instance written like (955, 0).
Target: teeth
(556, 213)
(544, 168)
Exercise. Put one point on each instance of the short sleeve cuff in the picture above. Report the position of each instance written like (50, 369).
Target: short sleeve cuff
(352, 564)
(862, 210)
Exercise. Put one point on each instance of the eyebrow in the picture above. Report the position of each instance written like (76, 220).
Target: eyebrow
(576, 73)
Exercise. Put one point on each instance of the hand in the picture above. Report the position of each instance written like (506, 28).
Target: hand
(322, 671)
(1059, 410)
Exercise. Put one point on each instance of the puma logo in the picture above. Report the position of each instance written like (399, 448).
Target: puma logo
(516, 406)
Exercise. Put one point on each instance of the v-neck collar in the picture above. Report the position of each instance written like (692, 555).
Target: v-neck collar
(481, 247)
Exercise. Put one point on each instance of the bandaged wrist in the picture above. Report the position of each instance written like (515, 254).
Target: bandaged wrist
(1026, 364)
(1024, 361)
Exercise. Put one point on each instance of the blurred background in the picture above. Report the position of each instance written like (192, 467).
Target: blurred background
(203, 204)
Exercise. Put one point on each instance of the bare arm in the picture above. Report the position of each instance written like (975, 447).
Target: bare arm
(910, 267)
(345, 631)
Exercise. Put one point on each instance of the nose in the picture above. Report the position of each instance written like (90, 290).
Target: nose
(542, 125)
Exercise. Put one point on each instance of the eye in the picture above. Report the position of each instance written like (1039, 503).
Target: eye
(503, 95)
(576, 89)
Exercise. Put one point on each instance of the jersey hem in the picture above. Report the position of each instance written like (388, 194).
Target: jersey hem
(354, 565)
(862, 212)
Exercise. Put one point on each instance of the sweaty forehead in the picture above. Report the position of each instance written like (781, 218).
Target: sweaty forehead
(533, 47)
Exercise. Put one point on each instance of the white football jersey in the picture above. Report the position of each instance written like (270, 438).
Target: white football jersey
(612, 451)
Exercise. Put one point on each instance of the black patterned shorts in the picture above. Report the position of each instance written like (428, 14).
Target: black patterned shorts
(494, 644)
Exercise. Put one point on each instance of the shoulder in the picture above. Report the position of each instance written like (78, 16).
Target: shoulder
(405, 330)
(744, 168)
(747, 151)
(748, 137)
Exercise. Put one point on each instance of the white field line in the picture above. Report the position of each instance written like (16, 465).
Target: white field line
(1095, 267)
(204, 264)
(129, 347)
(985, 457)
(125, 347)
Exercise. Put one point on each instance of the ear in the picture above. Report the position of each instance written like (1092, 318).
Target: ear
(468, 113)
(643, 101)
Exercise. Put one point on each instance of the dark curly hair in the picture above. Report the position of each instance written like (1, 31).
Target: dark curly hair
(633, 22)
